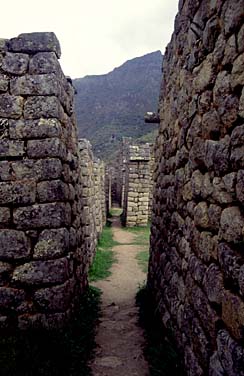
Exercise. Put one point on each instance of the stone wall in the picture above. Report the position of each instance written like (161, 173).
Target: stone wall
(44, 245)
(196, 271)
(136, 186)
(88, 204)
(100, 200)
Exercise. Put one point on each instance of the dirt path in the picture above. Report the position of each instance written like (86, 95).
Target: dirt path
(119, 339)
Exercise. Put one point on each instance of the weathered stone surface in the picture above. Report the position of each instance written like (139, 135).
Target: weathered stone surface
(214, 214)
(229, 262)
(44, 62)
(42, 272)
(55, 299)
(42, 128)
(11, 298)
(35, 42)
(201, 218)
(15, 63)
(204, 75)
(215, 366)
(14, 245)
(52, 244)
(52, 147)
(10, 148)
(55, 190)
(42, 215)
(41, 84)
(217, 155)
(241, 279)
(5, 216)
(237, 74)
(3, 83)
(21, 192)
(42, 106)
(11, 106)
(213, 284)
(43, 169)
(231, 224)
(240, 186)
(231, 355)
(233, 313)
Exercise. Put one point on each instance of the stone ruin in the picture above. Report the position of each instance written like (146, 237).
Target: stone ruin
(49, 220)
(196, 271)
(132, 182)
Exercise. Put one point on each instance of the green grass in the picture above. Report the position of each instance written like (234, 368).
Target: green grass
(116, 212)
(142, 234)
(53, 352)
(160, 350)
(142, 258)
(104, 257)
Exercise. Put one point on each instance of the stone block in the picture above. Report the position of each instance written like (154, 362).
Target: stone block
(231, 224)
(217, 155)
(10, 298)
(38, 273)
(55, 299)
(52, 244)
(55, 190)
(5, 272)
(9, 148)
(5, 216)
(214, 214)
(41, 128)
(237, 74)
(44, 62)
(213, 284)
(14, 245)
(20, 192)
(3, 83)
(35, 42)
(240, 186)
(11, 106)
(230, 263)
(52, 147)
(15, 63)
(42, 106)
(36, 84)
(49, 215)
(43, 169)
(233, 313)
(201, 217)
(231, 355)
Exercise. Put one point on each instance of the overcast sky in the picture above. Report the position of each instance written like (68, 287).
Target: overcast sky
(95, 35)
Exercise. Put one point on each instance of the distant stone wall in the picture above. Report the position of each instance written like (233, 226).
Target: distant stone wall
(100, 199)
(136, 186)
(88, 205)
(44, 227)
(196, 270)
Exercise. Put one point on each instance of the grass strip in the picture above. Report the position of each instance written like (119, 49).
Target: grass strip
(142, 258)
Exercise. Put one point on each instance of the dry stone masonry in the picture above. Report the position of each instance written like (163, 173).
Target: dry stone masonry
(44, 188)
(136, 185)
(196, 271)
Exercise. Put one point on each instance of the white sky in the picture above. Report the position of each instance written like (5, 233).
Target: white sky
(95, 35)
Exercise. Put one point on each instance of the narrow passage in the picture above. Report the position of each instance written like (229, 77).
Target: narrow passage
(119, 339)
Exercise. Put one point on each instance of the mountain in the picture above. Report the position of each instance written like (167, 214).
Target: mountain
(111, 106)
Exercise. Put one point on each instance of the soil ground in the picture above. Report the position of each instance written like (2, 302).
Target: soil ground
(119, 339)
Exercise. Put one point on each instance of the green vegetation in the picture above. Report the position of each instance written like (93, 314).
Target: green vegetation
(142, 234)
(104, 257)
(116, 212)
(160, 350)
(57, 352)
(142, 258)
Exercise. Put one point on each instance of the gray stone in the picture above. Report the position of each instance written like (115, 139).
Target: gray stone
(237, 136)
(42, 169)
(42, 272)
(41, 128)
(231, 224)
(35, 42)
(213, 284)
(232, 15)
(52, 147)
(11, 298)
(14, 245)
(44, 62)
(41, 106)
(215, 367)
(241, 104)
(240, 40)
(11, 106)
(3, 83)
(240, 186)
(23, 192)
(237, 74)
(5, 216)
(55, 190)
(55, 299)
(230, 50)
(230, 263)
(217, 155)
(9, 148)
(201, 218)
(52, 244)
(42, 215)
(210, 33)
(41, 84)
(214, 214)
(237, 157)
(211, 123)
(15, 63)
(231, 355)
(204, 74)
